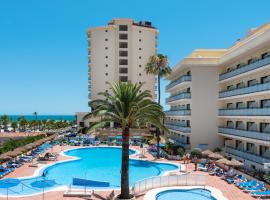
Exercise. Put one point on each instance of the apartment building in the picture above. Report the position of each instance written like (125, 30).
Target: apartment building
(236, 102)
(192, 118)
(119, 52)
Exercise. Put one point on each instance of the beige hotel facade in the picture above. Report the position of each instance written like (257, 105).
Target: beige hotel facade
(221, 98)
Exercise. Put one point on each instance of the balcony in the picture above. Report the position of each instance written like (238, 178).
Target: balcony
(246, 134)
(180, 128)
(184, 95)
(181, 141)
(245, 90)
(181, 79)
(245, 112)
(244, 69)
(182, 112)
(247, 156)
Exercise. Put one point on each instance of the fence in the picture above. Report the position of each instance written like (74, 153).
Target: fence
(167, 181)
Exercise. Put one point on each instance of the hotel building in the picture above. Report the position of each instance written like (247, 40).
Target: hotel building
(119, 52)
(230, 107)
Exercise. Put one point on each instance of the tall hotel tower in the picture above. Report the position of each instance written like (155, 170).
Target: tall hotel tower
(119, 52)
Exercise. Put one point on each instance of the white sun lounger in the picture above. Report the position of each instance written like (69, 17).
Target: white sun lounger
(77, 193)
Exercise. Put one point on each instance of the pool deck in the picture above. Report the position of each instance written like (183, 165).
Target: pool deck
(230, 191)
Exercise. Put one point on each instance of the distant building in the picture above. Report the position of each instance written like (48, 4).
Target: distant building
(222, 98)
(119, 52)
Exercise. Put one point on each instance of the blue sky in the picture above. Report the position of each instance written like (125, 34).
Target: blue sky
(43, 44)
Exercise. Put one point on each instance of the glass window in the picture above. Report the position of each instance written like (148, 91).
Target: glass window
(123, 70)
(123, 53)
(251, 104)
(250, 147)
(251, 126)
(265, 55)
(229, 105)
(252, 82)
(123, 45)
(123, 36)
(123, 27)
(240, 125)
(265, 103)
(123, 78)
(123, 62)
(240, 105)
(230, 124)
(240, 85)
(264, 127)
(263, 150)
(265, 79)
(230, 87)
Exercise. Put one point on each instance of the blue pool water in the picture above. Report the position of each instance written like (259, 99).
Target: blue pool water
(99, 164)
(192, 194)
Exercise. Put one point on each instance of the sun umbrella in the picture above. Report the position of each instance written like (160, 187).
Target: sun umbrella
(215, 156)
(223, 161)
(4, 158)
(9, 182)
(14, 153)
(21, 149)
(206, 152)
(235, 163)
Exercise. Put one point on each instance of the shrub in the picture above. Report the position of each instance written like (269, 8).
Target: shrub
(180, 151)
(217, 149)
(196, 152)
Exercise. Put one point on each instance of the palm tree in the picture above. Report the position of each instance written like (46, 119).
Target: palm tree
(14, 125)
(22, 123)
(5, 121)
(35, 114)
(158, 66)
(129, 108)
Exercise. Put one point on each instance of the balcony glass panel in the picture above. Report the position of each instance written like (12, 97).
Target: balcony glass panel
(246, 90)
(178, 81)
(177, 112)
(178, 128)
(247, 156)
(243, 133)
(184, 95)
(246, 68)
(245, 112)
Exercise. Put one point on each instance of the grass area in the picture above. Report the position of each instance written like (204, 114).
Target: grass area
(15, 143)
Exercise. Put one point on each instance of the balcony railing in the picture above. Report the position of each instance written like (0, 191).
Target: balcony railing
(246, 68)
(247, 156)
(183, 129)
(246, 134)
(181, 79)
(245, 90)
(180, 141)
(245, 112)
(184, 95)
(178, 112)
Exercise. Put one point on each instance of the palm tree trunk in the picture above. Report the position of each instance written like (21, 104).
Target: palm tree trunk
(125, 165)
(158, 131)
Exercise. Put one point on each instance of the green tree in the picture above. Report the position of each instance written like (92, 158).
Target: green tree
(129, 108)
(22, 123)
(14, 125)
(158, 65)
(5, 121)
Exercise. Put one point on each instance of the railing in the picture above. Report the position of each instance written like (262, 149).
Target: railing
(244, 133)
(245, 90)
(181, 79)
(179, 141)
(247, 156)
(184, 95)
(245, 112)
(246, 68)
(178, 112)
(167, 181)
(184, 129)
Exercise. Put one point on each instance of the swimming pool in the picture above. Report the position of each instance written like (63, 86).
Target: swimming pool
(96, 163)
(185, 194)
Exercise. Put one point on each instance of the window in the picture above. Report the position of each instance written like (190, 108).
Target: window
(140, 57)
(140, 40)
(251, 126)
(263, 150)
(106, 74)
(140, 48)
(265, 79)
(106, 39)
(230, 87)
(240, 125)
(265, 55)
(123, 36)
(123, 70)
(140, 31)
(123, 62)
(230, 105)
(252, 82)
(106, 48)
(123, 27)
(265, 103)
(264, 127)
(240, 85)
(106, 56)
(123, 45)
(106, 65)
(250, 147)
(123, 78)
(240, 105)
(188, 73)
(140, 66)
(251, 104)
(123, 53)
(230, 124)
(106, 31)
(250, 61)
(140, 74)
(238, 144)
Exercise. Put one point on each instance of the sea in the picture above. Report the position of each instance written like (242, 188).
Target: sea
(43, 117)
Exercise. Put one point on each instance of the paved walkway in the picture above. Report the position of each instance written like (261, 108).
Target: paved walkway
(229, 191)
